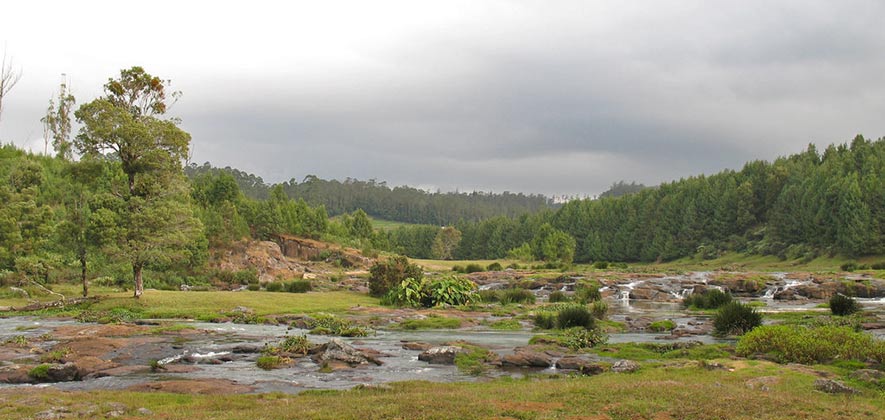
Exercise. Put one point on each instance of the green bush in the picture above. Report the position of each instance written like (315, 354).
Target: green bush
(489, 296)
(599, 309)
(558, 296)
(409, 293)
(843, 305)
(253, 287)
(797, 344)
(578, 338)
(473, 268)
(849, 266)
(508, 296)
(600, 265)
(299, 286)
(246, 276)
(735, 318)
(296, 344)
(878, 266)
(385, 275)
(587, 293)
(40, 372)
(663, 325)
(450, 290)
(458, 269)
(495, 266)
(575, 316)
(274, 286)
(326, 324)
(709, 299)
(545, 320)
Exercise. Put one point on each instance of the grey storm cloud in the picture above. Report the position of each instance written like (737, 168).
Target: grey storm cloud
(541, 97)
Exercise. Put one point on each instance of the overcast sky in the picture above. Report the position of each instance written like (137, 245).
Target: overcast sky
(552, 97)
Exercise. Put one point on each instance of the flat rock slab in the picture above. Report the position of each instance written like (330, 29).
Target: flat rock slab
(205, 386)
(442, 355)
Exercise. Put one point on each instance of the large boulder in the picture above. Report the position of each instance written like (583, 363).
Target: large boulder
(583, 366)
(336, 350)
(625, 366)
(833, 387)
(442, 355)
(528, 359)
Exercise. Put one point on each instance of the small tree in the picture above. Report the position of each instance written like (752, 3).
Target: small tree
(57, 122)
(447, 239)
(387, 274)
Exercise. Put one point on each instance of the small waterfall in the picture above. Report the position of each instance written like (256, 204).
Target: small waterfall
(770, 292)
(682, 294)
(624, 294)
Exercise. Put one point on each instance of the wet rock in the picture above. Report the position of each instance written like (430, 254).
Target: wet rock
(62, 373)
(583, 366)
(762, 383)
(247, 349)
(868, 375)
(833, 387)
(442, 355)
(528, 359)
(416, 346)
(15, 374)
(625, 366)
(337, 350)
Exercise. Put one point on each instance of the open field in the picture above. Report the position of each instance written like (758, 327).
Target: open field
(681, 391)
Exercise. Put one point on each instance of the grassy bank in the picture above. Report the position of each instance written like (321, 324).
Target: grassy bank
(688, 392)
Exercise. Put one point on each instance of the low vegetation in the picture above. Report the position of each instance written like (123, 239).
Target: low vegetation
(708, 299)
(843, 305)
(797, 344)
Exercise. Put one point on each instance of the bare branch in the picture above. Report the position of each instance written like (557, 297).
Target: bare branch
(8, 78)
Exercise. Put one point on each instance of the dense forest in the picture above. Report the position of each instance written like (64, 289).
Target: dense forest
(123, 208)
(377, 199)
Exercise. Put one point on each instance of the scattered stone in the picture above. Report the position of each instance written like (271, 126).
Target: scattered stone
(762, 383)
(378, 387)
(337, 350)
(145, 412)
(528, 358)
(62, 373)
(54, 413)
(833, 387)
(583, 366)
(416, 345)
(625, 366)
(442, 355)
(868, 375)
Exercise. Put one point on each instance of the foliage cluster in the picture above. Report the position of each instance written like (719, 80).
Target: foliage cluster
(797, 344)
(843, 305)
(431, 292)
(735, 318)
(709, 299)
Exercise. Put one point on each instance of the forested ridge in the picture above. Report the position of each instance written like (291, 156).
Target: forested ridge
(377, 199)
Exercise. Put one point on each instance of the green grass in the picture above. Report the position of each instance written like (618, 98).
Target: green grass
(655, 351)
(689, 392)
(506, 324)
(431, 323)
(446, 265)
(749, 262)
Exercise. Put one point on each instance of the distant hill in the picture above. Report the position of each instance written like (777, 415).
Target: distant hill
(401, 203)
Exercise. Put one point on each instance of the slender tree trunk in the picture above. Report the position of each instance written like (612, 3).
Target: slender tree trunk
(83, 274)
(139, 284)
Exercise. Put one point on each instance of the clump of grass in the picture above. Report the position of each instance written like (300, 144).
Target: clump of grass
(40, 372)
(506, 324)
(599, 309)
(709, 299)
(578, 338)
(558, 296)
(509, 296)
(274, 286)
(269, 362)
(587, 292)
(843, 305)
(796, 344)
(296, 344)
(56, 356)
(18, 340)
(473, 362)
(299, 286)
(489, 296)
(735, 318)
(495, 266)
(326, 324)
(575, 316)
(545, 320)
(433, 322)
(662, 325)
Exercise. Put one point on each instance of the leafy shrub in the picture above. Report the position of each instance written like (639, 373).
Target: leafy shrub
(326, 324)
(545, 320)
(508, 296)
(600, 265)
(663, 325)
(495, 266)
(735, 318)
(450, 290)
(587, 293)
(458, 269)
(843, 305)
(878, 266)
(299, 286)
(599, 309)
(558, 296)
(473, 268)
(709, 299)
(246, 276)
(296, 344)
(849, 266)
(582, 338)
(253, 287)
(514, 266)
(409, 293)
(274, 286)
(269, 362)
(385, 275)
(574, 316)
(797, 344)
